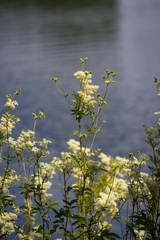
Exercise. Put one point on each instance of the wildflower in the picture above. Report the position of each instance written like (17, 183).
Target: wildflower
(140, 234)
(80, 75)
(38, 152)
(7, 181)
(10, 103)
(136, 161)
(73, 145)
(32, 234)
(87, 101)
(44, 143)
(7, 123)
(46, 170)
(57, 163)
(108, 199)
(157, 113)
(44, 186)
(7, 221)
(121, 161)
(67, 160)
(84, 99)
(76, 172)
(120, 186)
(109, 81)
(104, 158)
(26, 139)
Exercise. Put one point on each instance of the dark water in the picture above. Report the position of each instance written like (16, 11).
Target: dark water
(38, 41)
(42, 39)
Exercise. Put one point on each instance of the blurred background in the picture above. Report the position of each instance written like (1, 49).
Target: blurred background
(44, 39)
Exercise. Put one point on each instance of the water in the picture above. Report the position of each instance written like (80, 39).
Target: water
(41, 40)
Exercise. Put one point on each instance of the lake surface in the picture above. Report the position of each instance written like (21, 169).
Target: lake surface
(39, 41)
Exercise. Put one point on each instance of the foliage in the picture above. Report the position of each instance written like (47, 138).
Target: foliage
(144, 189)
(95, 187)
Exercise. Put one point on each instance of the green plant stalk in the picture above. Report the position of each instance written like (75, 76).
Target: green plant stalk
(19, 166)
(8, 162)
(65, 197)
(96, 123)
(42, 212)
(83, 180)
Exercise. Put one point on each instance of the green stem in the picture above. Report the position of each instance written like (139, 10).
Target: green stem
(64, 95)
(83, 179)
(19, 165)
(96, 123)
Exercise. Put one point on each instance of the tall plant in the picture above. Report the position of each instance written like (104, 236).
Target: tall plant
(31, 182)
(95, 187)
(97, 184)
(144, 188)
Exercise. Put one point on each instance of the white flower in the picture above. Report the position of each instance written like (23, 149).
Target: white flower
(157, 113)
(120, 186)
(7, 221)
(26, 139)
(144, 175)
(44, 143)
(8, 181)
(57, 163)
(135, 161)
(39, 153)
(76, 172)
(121, 160)
(80, 75)
(109, 81)
(108, 199)
(47, 170)
(140, 234)
(74, 145)
(84, 99)
(10, 103)
(7, 124)
(67, 160)
(105, 159)
(45, 187)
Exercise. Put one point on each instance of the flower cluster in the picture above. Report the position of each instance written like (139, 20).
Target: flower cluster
(115, 187)
(7, 123)
(39, 151)
(6, 182)
(140, 235)
(85, 99)
(7, 220)
(46, 170)
(69, 162)
(26, 139)
(102, 184)
(64, 165)
(10, 104)
(43, 187)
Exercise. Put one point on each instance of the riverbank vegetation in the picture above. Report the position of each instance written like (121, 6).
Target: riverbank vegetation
(98, 191)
